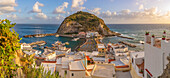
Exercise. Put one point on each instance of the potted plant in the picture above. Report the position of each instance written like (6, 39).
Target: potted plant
(163, 37)
(164, 32)
(153, 36)
(147, 33)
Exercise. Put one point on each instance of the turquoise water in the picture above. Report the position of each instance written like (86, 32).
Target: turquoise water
(28, 29)
(136, 31)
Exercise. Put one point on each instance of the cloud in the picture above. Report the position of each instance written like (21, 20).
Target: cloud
(126, 11)
(151, 11)
(12, 16)
(95, 11)
(60, 9)
(59, 17)
(141, 6)
(77, 5)
(36, 7)
(148, 15)
(41, 16)
(7, 3)
(108, 14)
(137, 3)
(30, 18)
(1, 13)
(7, 6)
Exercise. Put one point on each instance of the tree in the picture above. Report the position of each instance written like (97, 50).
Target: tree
(12, 61)
(9, 44)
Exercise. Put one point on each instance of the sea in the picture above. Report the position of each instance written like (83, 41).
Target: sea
(136, 31)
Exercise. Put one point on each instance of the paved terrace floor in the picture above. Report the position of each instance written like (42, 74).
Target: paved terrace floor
(120, 74)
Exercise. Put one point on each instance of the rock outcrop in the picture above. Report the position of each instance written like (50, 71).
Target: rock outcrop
(83, 22)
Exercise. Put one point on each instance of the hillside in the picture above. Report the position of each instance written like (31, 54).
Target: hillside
(84, 21)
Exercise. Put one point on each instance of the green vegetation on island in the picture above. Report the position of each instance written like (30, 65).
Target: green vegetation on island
(84, 22)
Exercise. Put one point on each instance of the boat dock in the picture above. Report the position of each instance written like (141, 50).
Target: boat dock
(66, 35)
(37, 43)
(128, 44)
(40, 35)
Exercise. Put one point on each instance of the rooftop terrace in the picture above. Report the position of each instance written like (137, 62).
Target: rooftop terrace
(103, 70)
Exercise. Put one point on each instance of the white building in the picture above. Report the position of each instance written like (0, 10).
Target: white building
(137, 61)
(117, 49)
(101, 49)
(65, 51)
(51, 57)
(100, 60)
(156, 52)
(65, 66)
(76, 70)
(92, 34)
(26, 46)
(103, 71)
(49, 66)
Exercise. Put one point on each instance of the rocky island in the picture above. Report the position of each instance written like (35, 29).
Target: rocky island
(80, 22)
(84, 22)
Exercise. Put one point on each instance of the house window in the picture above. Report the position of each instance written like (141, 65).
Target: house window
(103, 49)
(72, 74)
(132, 60)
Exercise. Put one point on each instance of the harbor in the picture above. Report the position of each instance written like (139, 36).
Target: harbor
(39, 35)
(128, 44)
(40, 43)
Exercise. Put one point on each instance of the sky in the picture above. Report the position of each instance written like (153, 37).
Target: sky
(111, 11)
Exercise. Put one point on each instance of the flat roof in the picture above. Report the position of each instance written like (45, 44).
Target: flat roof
(137, 54)
(65, 62)
(76, 65)
(89, 67)
(104, 70)
(100, 45)
(98, 58)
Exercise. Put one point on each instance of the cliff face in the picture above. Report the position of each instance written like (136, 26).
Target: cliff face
(84, 21)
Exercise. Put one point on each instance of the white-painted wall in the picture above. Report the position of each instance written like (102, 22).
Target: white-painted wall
(155, 58)
(49, 67)
(137, 70)
(77, 74)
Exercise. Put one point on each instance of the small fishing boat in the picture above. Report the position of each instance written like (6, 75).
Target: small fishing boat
(75, 39)
(41, 44)
(141, 42)
(41, 47)
(57, 35)
(34, 46)
(67, 43)
(40, 36)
